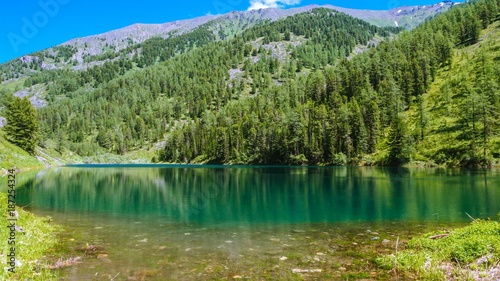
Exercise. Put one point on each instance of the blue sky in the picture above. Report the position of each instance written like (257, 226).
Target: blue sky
(32, 25)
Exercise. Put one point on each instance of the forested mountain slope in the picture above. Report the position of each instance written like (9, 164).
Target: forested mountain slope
(457, 120)
(373, 109)
(131, 107)
(83, 53)
(318, 87)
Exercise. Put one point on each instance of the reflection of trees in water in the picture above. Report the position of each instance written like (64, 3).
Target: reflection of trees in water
(281, 194)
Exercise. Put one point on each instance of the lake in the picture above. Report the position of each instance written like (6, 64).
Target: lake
(154, 222)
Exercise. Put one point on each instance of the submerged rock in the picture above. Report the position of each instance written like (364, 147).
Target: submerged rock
(297, 270)
(69, 262)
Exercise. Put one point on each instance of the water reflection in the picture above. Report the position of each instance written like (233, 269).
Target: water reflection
(253, 195)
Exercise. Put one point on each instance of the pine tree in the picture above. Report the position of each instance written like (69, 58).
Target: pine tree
(399, 144)
(372, 121)
(358, 130)
(22, 124)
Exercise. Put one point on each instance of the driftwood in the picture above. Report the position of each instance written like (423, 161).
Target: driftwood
(470, 217)
(439, 236)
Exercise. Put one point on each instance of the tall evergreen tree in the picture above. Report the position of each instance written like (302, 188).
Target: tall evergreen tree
(398, 140)
(22, 124)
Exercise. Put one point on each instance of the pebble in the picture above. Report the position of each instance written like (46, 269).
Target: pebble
(376, 238)
(297, 270)
(228, 241)
(386, 241)
(283, 258)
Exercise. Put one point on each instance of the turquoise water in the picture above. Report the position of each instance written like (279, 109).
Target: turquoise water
(277, 195)
(199, 222)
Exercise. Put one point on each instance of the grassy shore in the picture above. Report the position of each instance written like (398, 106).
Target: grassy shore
(13, 156)
(36, 239)
(468, 253)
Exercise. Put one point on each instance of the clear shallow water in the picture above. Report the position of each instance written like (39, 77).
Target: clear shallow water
(195, 222)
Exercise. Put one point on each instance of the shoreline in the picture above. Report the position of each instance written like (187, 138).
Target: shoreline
(31, 251)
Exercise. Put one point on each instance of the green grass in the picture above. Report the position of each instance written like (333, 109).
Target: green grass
(474, 249)
(13, 86)
(13, 156)
(38, 239)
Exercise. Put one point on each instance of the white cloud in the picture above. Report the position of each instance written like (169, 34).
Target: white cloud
(264, 4)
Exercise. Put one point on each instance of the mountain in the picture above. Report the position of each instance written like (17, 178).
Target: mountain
(316, 87)
(81, 53)
(406, 17)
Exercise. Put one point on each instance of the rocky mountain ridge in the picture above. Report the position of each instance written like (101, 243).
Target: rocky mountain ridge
(113, 41)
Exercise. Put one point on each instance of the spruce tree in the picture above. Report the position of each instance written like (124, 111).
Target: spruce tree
(398, 141)
(22, 124)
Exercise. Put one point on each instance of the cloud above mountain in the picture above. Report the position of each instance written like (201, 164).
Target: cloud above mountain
(264, 4)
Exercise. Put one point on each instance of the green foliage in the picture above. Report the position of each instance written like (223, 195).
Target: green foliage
(463, 108)
(399, 143)
(22, 124)
(424, 257)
